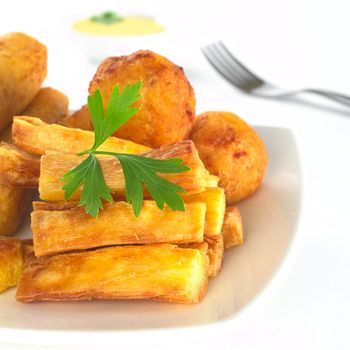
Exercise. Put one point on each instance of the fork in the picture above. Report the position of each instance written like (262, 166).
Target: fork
(244, 79)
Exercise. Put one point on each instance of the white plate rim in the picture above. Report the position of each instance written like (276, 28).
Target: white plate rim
(231, 325)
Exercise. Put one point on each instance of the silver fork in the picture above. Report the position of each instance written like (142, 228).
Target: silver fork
(244, 79)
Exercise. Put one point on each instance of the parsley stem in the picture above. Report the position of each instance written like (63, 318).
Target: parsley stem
(92, 151)
(107, 153)
(89, 151)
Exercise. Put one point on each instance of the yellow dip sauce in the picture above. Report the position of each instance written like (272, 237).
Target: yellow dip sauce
(127, 26)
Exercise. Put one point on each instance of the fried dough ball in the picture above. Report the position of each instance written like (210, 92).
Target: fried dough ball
(232, 150)
(79, 119)
(167, 102)
(23, 68)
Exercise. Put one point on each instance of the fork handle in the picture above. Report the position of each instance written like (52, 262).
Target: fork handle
(334, 96)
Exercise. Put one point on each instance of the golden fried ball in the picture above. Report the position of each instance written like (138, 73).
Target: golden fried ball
(167, 102)
(79, 119)
(232, 150)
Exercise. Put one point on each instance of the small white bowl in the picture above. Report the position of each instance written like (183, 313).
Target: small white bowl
(98, 47)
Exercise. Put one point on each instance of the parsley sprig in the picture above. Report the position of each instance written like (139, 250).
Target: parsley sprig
(108, 17)
(138, 170)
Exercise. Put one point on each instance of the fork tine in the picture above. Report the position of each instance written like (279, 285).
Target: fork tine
(221, 60)
(217, 67)
(221, 68)
(244, 69)
(245, 80)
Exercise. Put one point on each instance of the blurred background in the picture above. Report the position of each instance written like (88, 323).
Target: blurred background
(293, 43)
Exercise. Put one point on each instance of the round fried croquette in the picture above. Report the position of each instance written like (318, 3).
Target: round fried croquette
(167, 103)
(232, 150)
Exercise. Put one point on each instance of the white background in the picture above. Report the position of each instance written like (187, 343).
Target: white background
(293, 43)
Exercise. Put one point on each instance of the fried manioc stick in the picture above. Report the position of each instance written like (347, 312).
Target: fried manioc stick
(203, 247)
(35, 136)
(18, 168)
(214, 248)
(60, 228)
(55, 165)
(79, 119)
(13, 253)
(50, 105)
(6, 135)
(14, 202)
(232, 228)
(216, 254)
(28, 247)
(162, 272)
(212, 181)
(11, 262)
(214, 198)
(23, 68)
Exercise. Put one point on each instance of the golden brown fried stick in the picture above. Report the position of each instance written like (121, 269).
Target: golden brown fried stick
(167, 99)
(28, 247)
(27, 181)
(232, 228)
(18, 168)
(212, 181)
(214, 248)
(35, 136)
(23, 67)
(14, 202)
(11, 262)
(55, 165)
(159, 271)
(6, 135)
(215, 253)
(61, 228)
(214, 198)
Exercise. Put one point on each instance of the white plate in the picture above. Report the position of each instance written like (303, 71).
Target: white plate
(250, 276)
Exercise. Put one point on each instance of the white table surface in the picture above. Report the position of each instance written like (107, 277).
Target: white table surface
(293, 43)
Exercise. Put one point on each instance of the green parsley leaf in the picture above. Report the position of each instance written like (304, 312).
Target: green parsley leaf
(139, 171)
(108, 17)
(89, 174)
(118, 111)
